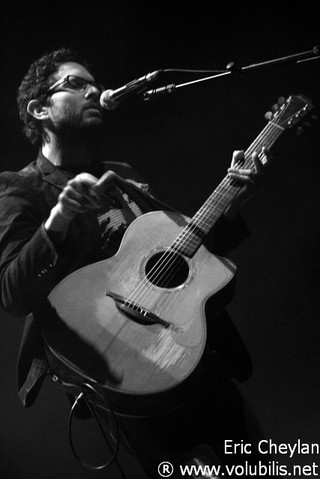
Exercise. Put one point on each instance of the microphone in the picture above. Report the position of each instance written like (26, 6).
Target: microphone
(111, 99)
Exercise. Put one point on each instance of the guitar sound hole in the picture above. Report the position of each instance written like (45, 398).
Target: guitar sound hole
(167, 269)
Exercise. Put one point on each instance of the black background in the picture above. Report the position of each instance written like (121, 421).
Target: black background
(183, 145)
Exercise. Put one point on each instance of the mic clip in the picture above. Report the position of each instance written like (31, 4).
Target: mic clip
(164, 90)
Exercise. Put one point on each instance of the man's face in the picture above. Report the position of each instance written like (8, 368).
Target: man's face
(74, 110)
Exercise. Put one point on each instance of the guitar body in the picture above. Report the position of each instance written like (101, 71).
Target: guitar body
(134, 363)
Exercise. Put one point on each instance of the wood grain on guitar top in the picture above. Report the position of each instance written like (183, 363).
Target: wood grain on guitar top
(142, 358)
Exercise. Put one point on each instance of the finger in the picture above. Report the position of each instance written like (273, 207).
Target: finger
(84, 199)
(241, 171)
(85, 178)
(89, 197)
(257, 162)
(83, 182)
(71, 192)
(237, 158)
(82, 189)
(70, 205)
(105, 182)
(242, 178)
(266, 156)
(261, 160)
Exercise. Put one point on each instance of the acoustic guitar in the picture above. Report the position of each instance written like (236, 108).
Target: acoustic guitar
(132, 328)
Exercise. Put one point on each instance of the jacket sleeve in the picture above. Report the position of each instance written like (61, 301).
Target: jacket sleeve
(28, 259)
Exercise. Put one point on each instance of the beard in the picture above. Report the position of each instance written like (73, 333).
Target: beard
(89, 133)
(85, 124)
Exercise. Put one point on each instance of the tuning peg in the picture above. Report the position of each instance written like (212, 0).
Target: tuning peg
(281, 100)
(306, 124)
(268, 115)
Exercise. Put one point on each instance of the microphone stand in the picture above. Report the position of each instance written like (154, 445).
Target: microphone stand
(232, 68)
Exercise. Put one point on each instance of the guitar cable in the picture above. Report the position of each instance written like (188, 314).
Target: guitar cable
(82, 397)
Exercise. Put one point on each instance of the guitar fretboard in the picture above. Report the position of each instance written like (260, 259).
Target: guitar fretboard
(192, 235)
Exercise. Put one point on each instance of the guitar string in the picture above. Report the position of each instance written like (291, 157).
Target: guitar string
(169, 256)
(184, 237)
(161, 267)
(246, 164)
(187, 231)
(178, 261)
(226, 186)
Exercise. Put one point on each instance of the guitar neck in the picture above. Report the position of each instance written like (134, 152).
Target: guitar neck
(192, 235)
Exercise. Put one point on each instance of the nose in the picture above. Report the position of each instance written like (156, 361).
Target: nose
(92, 90)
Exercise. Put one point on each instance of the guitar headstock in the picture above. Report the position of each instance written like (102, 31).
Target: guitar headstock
(289, 111)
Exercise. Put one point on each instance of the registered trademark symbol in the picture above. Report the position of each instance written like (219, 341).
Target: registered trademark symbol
(165, 469)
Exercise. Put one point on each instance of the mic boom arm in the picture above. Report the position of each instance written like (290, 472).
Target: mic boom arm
(232, 69)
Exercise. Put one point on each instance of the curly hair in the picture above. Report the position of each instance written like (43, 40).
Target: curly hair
(35, 84)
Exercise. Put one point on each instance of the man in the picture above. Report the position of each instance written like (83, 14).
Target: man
(57, 215)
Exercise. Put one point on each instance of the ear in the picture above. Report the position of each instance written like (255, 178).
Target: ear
(37, 110)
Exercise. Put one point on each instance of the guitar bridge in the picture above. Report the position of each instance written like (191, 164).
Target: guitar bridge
(136, 312)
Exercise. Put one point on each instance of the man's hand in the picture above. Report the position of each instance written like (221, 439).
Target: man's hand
(250, 178)
(80, 195)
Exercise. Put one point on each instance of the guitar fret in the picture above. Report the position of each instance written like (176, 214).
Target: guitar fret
(192, 235)
(187, 245)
